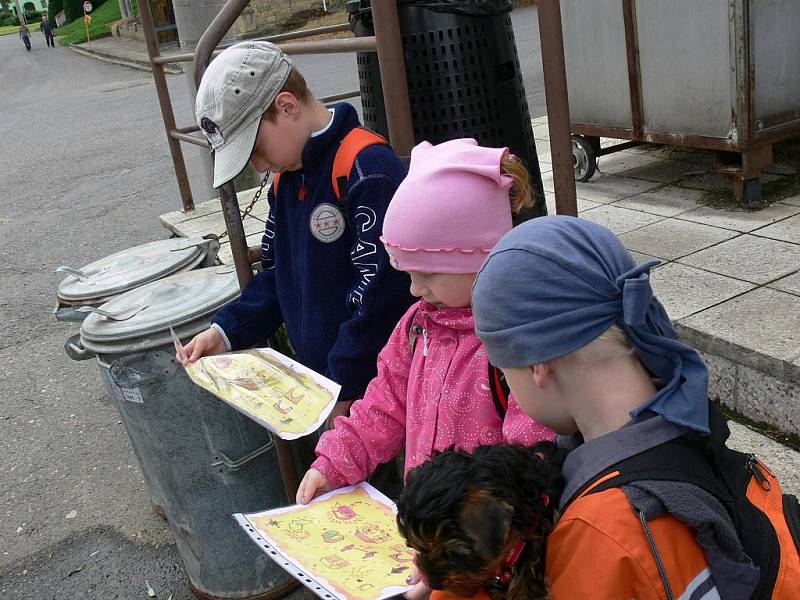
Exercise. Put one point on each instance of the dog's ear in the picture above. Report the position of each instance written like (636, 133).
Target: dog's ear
(487, 522)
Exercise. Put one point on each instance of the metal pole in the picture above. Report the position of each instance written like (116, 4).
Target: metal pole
(393, 76)
(555, 89)
(21, 14)
(166, 105)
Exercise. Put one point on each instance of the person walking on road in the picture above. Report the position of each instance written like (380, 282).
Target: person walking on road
(25, 36)
(47, 28)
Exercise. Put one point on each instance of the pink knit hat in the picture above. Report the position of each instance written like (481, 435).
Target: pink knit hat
(450, 210)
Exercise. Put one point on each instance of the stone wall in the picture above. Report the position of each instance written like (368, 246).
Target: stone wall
(265, 17)
(130, 28)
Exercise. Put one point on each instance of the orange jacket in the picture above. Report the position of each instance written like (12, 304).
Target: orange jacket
(599, 550)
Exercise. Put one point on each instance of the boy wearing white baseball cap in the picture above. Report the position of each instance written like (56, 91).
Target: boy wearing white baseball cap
(326, 273)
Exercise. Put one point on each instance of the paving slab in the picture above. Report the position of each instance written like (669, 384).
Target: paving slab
(740, 220)
(541, 132)
(782, 461)
(790, 284)
(664, 170)
(762, 320)
(787, 230)
(667, 201)
(619, 220)
(641, 258)
(621, 162)
(609, 188)
(685, 290)
(709, 180)
(583, 205)
(214, 223)
(225, 255)
(671, 239)
(174, 220)
(747, 257)
(792, 200)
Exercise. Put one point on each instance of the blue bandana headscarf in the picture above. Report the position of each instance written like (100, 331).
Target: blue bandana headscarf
(554, 284)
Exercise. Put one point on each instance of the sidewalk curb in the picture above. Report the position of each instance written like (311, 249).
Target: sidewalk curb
(172, 69)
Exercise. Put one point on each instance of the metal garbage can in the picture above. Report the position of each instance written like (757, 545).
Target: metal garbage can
(464, 77)
(101, 280)
(204, 459)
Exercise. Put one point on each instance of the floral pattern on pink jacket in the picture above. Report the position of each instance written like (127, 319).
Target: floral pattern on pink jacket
(425, 401)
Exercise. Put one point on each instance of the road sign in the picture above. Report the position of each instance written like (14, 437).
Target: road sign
(87, 7)
(87, 19)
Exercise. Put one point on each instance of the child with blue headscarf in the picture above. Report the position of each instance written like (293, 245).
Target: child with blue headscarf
(563, 309)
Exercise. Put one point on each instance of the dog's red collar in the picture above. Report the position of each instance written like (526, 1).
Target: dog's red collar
(505, 571)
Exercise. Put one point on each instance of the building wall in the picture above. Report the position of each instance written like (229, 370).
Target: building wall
(263, 17)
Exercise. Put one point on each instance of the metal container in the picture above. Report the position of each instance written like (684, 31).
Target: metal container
(202, 459)
(99, 281)
(719, 74)
(464, 78)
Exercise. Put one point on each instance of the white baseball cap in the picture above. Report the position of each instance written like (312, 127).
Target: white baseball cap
(236, 90)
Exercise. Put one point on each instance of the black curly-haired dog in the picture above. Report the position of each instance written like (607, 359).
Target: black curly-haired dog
(479, 521)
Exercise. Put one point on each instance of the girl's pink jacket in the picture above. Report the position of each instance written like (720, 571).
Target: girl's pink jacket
(421, 402)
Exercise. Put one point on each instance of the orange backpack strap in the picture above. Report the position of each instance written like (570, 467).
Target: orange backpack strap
(353, 143)
(275, 178)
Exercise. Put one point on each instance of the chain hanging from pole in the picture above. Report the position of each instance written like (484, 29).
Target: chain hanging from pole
(250, 206)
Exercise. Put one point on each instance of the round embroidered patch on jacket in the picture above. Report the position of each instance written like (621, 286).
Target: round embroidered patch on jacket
(327, 223)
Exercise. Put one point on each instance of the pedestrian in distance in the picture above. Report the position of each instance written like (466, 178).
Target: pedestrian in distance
(25, 36)
(47, 28)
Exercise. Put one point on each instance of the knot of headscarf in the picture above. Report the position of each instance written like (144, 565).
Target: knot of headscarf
(554, 284)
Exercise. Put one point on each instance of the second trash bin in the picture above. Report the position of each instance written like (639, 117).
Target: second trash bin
(204, 459)
(464, 76)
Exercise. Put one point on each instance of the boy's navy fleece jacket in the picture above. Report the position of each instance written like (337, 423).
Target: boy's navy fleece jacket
(340, 298)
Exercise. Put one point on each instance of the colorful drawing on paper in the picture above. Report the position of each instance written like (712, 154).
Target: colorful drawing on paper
(284, 396)
(345, 541)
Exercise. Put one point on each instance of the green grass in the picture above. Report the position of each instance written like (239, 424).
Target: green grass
(9, 29)
(102, 16)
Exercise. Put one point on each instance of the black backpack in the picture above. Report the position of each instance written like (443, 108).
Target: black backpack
(708, 463)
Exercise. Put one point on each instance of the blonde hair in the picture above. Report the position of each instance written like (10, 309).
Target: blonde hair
(520, 192)
(611, 344)
(296, 86)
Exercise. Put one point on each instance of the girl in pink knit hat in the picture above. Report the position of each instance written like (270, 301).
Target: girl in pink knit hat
(433, 388)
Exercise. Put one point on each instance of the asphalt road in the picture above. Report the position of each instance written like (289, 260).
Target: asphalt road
(85, 173)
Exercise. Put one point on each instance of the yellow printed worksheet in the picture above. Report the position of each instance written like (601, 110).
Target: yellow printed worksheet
(344, 544)
(284, 396)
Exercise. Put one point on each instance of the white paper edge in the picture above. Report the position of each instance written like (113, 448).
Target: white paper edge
(328, 384)
(295, 569)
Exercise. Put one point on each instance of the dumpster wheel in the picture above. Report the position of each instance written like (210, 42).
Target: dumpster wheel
(584, 158)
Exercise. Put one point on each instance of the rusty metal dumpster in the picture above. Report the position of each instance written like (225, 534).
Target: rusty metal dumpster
(719, 74)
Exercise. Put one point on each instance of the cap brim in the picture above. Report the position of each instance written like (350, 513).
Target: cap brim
(231, 159)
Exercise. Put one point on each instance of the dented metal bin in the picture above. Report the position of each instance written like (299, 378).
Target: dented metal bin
(202, 459)
(719, 74)
(88, 287)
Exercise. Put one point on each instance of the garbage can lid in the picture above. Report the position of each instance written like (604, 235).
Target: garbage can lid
(131, 268)
(141, 318)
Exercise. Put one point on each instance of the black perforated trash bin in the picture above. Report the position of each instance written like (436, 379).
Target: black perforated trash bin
(464, 76)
